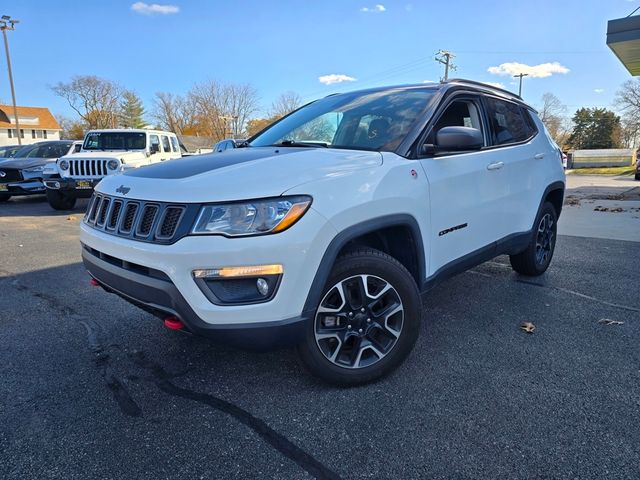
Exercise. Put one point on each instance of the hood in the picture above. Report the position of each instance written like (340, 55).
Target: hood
(120, 154)
(238, 174)
(22, 163)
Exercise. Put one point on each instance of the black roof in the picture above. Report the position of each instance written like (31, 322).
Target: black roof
(453, 84)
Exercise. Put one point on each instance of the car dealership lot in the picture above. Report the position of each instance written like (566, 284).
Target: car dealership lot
(95, 388)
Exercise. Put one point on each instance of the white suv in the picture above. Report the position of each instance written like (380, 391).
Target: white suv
(325, 228)
(105, 152)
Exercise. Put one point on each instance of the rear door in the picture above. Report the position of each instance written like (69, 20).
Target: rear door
(466, 189)
(514, 147)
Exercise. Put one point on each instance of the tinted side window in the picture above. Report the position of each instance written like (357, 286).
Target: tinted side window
(154, 140)
(165, 143)
(507, 123)
(174, 144)
(531, 125)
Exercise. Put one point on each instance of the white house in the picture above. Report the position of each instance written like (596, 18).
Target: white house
(36, 125)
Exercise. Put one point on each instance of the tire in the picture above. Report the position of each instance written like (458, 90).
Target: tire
(4, 197)
(535, 260)
(637, 177)
(372, 337)
(60, 201)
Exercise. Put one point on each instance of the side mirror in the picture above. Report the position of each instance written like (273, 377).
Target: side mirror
(154, 148)
(452, 139)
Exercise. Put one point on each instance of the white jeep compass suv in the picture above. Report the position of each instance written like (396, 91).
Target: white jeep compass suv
(323, 230)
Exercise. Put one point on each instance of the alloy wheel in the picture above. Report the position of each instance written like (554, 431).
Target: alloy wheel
(359, 321)
(545, 239)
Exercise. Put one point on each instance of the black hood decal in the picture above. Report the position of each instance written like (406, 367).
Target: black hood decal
(190, 166)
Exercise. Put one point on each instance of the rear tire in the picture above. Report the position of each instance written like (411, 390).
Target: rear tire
(536, 258)
(637, 177)
(367, 322)
(4, 197)
(60, 201)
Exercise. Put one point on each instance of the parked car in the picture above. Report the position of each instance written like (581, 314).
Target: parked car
(9, 151)
(227, 144)
(22, 174)
(324, 231)
(103, 153)
(637, 176)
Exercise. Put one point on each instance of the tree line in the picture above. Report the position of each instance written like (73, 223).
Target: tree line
(210, 109)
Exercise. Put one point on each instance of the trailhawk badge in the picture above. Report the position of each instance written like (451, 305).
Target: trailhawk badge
(123, 190)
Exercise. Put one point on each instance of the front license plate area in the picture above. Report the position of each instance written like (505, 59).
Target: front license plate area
(84, 184)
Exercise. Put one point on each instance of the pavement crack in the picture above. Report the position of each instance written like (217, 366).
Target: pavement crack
(260, 427)
(121, 395)
(581, 295)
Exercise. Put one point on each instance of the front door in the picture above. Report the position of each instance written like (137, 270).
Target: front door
(466, 191)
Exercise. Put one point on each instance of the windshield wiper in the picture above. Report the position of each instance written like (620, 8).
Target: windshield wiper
(293, 143)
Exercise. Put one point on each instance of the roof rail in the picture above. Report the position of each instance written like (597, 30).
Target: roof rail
(486, 85)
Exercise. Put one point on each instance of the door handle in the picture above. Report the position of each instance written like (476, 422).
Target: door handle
(495, 166)
(539, 156)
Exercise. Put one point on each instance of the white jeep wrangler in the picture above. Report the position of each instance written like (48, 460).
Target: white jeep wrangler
(105, 152)
(323, 230)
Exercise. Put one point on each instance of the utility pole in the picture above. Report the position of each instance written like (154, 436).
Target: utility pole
(520, 88)
(6, 23)
(445, 57)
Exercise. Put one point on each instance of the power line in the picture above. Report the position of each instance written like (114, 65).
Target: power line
(445, 57)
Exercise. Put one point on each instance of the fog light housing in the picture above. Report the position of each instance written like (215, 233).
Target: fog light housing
(239, 285)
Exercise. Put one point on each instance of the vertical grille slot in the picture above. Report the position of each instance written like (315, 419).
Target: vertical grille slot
(146, 220)
(115, 214)
(95, 205)
(169, 223)
(102, 214)
(129, 216)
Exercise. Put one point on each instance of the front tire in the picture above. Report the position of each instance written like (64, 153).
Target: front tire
(4, 197)
(535, 260)
(367, 322)
(60, 201)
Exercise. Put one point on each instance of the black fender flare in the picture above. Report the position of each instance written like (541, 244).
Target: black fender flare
(348, 234)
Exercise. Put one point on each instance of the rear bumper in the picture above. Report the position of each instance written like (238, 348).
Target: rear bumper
(70, 186)
(158, 295)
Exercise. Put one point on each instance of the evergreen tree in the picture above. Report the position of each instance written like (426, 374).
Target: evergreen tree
(131, 111)
(595, 128)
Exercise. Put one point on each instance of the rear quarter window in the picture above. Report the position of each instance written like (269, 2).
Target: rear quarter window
(508, 122)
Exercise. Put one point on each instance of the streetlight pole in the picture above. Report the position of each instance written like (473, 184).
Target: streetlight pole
(520, 88)
(6, 23)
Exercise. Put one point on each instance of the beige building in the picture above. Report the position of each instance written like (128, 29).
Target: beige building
(36, 125)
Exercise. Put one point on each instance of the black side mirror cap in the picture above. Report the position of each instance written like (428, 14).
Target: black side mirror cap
(454, 139)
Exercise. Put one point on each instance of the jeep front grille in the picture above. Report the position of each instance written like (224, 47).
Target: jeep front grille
(156, 222)
(87, 168)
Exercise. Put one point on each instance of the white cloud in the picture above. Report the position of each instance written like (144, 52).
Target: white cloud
(495, 84)
(379, 8)
(335, 78)
(598, 90)
(536, 71)
(153, 8)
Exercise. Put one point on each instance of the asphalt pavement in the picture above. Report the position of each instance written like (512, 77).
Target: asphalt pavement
(91, 387)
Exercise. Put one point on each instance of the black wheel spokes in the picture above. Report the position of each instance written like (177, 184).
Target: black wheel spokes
(359, 321)
(545, 239)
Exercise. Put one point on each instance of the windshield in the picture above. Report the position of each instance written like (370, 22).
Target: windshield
(361, 121)
(115, 141)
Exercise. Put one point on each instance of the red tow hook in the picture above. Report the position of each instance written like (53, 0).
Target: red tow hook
(94, 283)
(173, 323)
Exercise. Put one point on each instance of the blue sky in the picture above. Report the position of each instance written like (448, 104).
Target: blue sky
(288, 45)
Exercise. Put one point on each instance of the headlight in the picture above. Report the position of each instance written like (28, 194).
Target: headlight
(64, 164)
(113, 164)
(251, 218)
(34, 169)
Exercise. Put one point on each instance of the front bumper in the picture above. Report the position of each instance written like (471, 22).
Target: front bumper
(162, 282)
(23, 187)
(76, 187)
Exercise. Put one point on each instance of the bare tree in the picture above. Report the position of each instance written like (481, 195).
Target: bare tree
(224, 109)
(71, 129)
(553, 114)
(95, 100)
(627, 101)
(286, 103)
(173, 112)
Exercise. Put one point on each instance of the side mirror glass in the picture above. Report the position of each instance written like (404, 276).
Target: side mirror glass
(452, 139)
